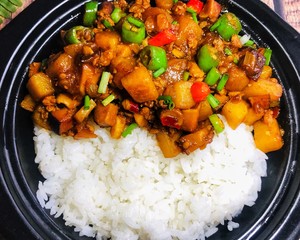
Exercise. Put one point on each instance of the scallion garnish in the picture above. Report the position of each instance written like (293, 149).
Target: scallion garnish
(167, 101)
(186, 75)
(217, 123)
(87, 102)
(104, 82)
(267, 55)
(222, 82)
(159, 72)
(212, 101)
(128, 130)
(108, 100)
(212, 76)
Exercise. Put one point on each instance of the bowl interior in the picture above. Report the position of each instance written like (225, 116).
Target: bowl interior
(24, 175)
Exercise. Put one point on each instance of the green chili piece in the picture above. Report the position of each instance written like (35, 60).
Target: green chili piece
(154, 58)
(128, 130)
(17, 3)
(8, 5)
(107, 24)
(73, 35)
(167, 101)
(227, 51)
(217, 123)
(208, 57)
(103, 82)
(4, 12)
(222, 82)
(227, 25)
(186, 75)
(213, 76)
(214, 103)
(268, 55)
(90, 13)
(108, 100)
(117, 14)
(133, 30)
(87, 102)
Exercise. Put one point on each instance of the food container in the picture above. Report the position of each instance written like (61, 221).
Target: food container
(35, 34)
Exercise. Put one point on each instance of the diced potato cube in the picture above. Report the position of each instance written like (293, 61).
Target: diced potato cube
(252, 116)
(119, 126)
(264, 87)
(181, 95)
(40, 86)
(168, 144)
(28, 103)
(237, 79)
(83, 113)
(235, 112)
(107, 40)
(204, 109)
(190, 119)
(267, 135)
(105, 116)
(139, 85)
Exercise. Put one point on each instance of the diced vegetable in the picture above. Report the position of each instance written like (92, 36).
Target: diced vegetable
(107, 40)
(28, 103)
(227, 25)
(181, 95)
(171, 118)
(168, 144)
(237, 79)
(217, 123)
(108, 100)
(154, 58)
(196, 5)
(167, 101)
(104, 82)
(212, 76)
(40, 86)
(162, 38)
(119, 126)
(235, 112)
(268, 55)
(204, 109)
(128, 130)
(213, 101)
(105, 116)
(200, 90)
(75, 35)
(139, 85)
(83, 113)
(90, 13)
(222, 82)
(190, 119)
(117, 14)
(208, 57)
(87, 103)
(267, 135)
(133, 30)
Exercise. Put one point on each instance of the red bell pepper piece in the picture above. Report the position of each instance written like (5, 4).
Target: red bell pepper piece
(162, 38)
(170, 121)
(199, 91)
(196, 5)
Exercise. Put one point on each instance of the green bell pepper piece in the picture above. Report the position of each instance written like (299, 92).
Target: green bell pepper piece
(227, 25)
(90, 13)
(117, 14)
(154, 58)
(73, 35)
(133, 30)
(208, 57)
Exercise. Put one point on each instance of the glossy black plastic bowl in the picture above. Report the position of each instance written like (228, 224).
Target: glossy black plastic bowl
(34, 34)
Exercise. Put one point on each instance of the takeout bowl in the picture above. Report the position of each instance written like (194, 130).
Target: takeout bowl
(35, 34)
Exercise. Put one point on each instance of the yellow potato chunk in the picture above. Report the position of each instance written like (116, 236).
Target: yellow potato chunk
(235, 112)
(40, 86)
(139, 85)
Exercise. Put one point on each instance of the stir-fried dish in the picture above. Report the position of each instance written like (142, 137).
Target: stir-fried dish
(172, 68)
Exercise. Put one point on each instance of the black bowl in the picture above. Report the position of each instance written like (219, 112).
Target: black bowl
(34, 34)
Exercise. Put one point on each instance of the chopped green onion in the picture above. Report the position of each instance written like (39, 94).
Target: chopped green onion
(134, 21)
(108, 100)
(268, 55)
(249, 43)
(174, 22)
(193, 13)
(167, 100)
(227, 51)
(107, 24)
(104, 82)
(175, 1)
(236, 60)
(213, 76)
(222, 82)
(186, 75)
(159, 72)
(217, 123)
(212, 101)
(117, 14)
(128, 130)
(87, 102)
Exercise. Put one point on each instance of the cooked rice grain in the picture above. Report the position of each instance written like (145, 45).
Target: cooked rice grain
(126, 189)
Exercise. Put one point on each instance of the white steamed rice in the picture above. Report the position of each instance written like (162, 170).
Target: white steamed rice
(126, 189)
